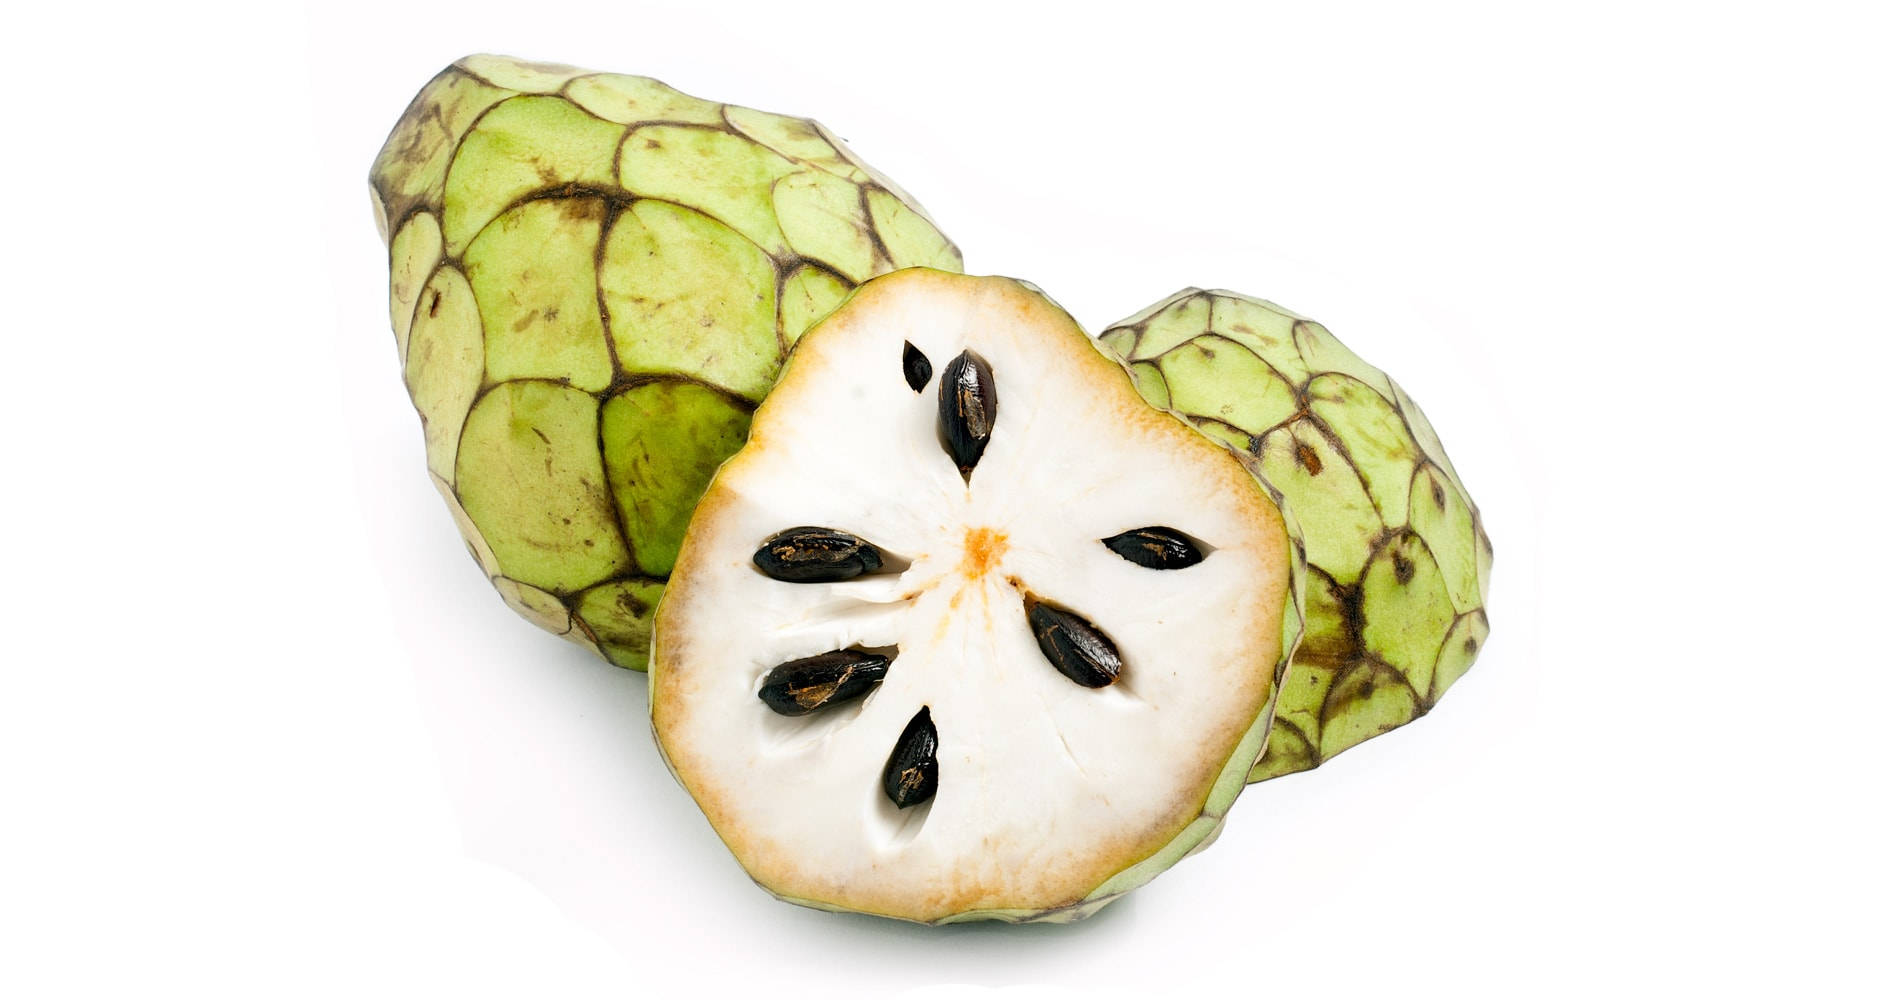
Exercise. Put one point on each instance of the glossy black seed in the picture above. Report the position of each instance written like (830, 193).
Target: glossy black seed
(913, 771)
(968, 405)
(1078, 649)
(800, 687)
(1156, 548)
(915, 367)
(816, 555)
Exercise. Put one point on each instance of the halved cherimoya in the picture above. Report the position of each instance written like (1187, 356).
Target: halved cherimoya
(968, 629)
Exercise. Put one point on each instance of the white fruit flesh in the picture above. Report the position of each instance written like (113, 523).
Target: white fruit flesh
(1046, 789)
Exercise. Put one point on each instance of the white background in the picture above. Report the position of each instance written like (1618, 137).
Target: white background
(265, 731)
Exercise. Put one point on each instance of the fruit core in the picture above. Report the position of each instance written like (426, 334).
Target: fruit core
(983, 549)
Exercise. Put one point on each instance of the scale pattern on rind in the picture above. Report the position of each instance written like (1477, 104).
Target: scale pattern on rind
(1397, 559)
(594, 280)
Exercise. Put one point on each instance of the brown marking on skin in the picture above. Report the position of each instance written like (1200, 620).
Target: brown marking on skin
(580, 209)
(1309, 457)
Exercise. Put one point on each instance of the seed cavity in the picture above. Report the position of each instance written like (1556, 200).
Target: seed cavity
(913, 772)
(915, 367)
(968, 405)
(1157, 548)
(800, 687)
(816, 555)
(1078, 649)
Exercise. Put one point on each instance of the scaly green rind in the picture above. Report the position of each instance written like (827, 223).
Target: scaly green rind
(1397, 559)
(594, 279)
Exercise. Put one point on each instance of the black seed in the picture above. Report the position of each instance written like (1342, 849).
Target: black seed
(1156, 548)
(915, 367)
(1436, 494)
(800, 687)
(1403, 567)
(816, 555)
(968, 405)
(1078, 649)
(913, 772)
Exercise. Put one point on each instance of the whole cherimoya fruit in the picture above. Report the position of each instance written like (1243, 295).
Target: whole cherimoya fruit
(1397, 560)
(969, 630)
(594, 280)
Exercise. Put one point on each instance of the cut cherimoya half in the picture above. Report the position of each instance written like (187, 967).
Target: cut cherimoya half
(969, 629)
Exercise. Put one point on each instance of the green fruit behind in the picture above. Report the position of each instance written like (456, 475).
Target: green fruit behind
(594, 281)
(1397, 563)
